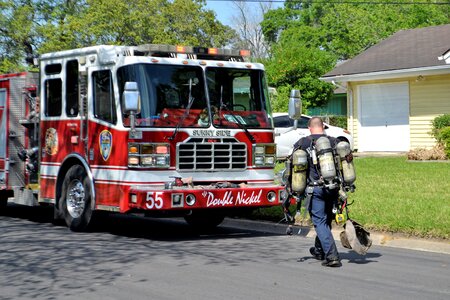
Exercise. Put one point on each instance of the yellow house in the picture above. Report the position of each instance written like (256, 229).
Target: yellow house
(396, 88)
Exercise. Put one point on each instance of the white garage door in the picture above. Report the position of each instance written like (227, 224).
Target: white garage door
(384, 117)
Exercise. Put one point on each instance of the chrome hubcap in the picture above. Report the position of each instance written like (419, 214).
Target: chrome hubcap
(75, 199)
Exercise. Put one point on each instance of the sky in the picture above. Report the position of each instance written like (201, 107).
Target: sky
(225, 9)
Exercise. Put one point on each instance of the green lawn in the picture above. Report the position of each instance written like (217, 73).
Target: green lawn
(396, 195)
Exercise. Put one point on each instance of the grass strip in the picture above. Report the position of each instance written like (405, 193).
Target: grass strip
(396, 195)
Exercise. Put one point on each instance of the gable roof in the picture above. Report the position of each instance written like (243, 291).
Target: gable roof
(406, 49)
(445, 57)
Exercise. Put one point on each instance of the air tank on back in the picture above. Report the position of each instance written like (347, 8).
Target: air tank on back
(348, 169)
(326, 159)
(299, 168)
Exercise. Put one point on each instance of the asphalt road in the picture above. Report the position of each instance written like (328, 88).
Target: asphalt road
(135, 258)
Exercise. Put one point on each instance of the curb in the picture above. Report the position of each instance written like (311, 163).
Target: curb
(398, 241)
(378, 239)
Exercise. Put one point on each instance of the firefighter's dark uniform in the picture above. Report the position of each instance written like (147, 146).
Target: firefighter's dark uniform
(320, 207)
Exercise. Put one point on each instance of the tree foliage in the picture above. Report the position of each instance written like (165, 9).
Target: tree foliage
(330, 32)
(15, 41)
(297, 63)
(32, 27)
(247, 24)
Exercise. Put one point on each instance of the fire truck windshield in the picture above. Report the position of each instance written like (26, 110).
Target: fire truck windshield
(178, 96)
(238, 97)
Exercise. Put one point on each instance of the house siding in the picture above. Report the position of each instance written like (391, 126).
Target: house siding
(352, 119)
(336, 106)
(429, 98)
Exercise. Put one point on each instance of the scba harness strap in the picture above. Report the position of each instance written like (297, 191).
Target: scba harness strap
(318, 161)
(298, 173)
(314, 154)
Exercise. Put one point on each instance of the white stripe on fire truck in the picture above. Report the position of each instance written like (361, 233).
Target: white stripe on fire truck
(117, 175)
(49, 170)
(141, 176)
(159, 184)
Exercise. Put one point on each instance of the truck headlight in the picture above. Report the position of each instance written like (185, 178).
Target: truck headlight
(133, 161)
(156, 155)
(264, 155)
(147, 160)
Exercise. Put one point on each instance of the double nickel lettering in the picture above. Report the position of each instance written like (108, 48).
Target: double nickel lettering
(241, 198)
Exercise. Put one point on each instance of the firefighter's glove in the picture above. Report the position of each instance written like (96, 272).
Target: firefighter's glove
(286, 203)
(349, 157)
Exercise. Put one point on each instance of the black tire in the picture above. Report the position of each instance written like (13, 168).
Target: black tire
(4, 199)
(3, 203)
(204, 220)
(342, 139)
(76, 199)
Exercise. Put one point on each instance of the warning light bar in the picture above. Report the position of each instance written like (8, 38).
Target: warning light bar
(212, 51)
(191, 52)
(244, 52)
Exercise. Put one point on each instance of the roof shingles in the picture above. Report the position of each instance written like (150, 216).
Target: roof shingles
(406, 49)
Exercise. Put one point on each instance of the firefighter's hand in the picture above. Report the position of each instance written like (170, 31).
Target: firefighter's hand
(349, 157)
(286, 203)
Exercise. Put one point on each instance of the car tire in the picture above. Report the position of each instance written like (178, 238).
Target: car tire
(342, 139)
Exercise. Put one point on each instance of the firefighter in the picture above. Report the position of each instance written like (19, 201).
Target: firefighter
(320, 191)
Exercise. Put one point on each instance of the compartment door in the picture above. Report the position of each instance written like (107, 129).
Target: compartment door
(3, 135)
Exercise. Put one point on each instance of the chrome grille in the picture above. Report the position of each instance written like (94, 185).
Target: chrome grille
(202, 154)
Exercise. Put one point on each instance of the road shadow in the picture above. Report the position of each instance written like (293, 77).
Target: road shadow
(349, 256)
(43, 261)
(38, 214)
(135, 226)
(355, 258)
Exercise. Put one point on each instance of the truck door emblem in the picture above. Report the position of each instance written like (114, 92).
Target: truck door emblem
(105, 141)
(51, 141)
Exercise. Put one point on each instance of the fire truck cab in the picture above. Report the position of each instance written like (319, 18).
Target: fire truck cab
(159, 129)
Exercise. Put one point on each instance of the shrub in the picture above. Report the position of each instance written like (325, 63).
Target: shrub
(438, 124)
(435, 153)
(339, 121)
(444, 137)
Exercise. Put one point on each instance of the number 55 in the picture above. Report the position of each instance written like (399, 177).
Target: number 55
(154, 200)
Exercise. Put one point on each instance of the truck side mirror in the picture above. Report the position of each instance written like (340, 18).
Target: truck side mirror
(295, 105)
(131, 98)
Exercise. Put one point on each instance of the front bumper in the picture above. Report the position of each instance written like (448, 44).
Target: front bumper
(183, 198)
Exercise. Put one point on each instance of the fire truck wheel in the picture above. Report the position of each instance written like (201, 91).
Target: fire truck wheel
(3, 203)
(3, 200)
(204, 220)
(75, 202)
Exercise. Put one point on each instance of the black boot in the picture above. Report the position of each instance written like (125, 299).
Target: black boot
(316, 253)
(334, 263)
(317, 250)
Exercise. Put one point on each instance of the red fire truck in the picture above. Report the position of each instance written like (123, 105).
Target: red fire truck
(164, 130)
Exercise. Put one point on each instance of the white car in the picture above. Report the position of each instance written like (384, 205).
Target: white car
(286, 136)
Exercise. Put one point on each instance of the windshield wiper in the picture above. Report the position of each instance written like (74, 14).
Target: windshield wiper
(239, 124)
(186, 113)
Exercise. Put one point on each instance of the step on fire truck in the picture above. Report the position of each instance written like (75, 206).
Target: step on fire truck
(163, 130)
